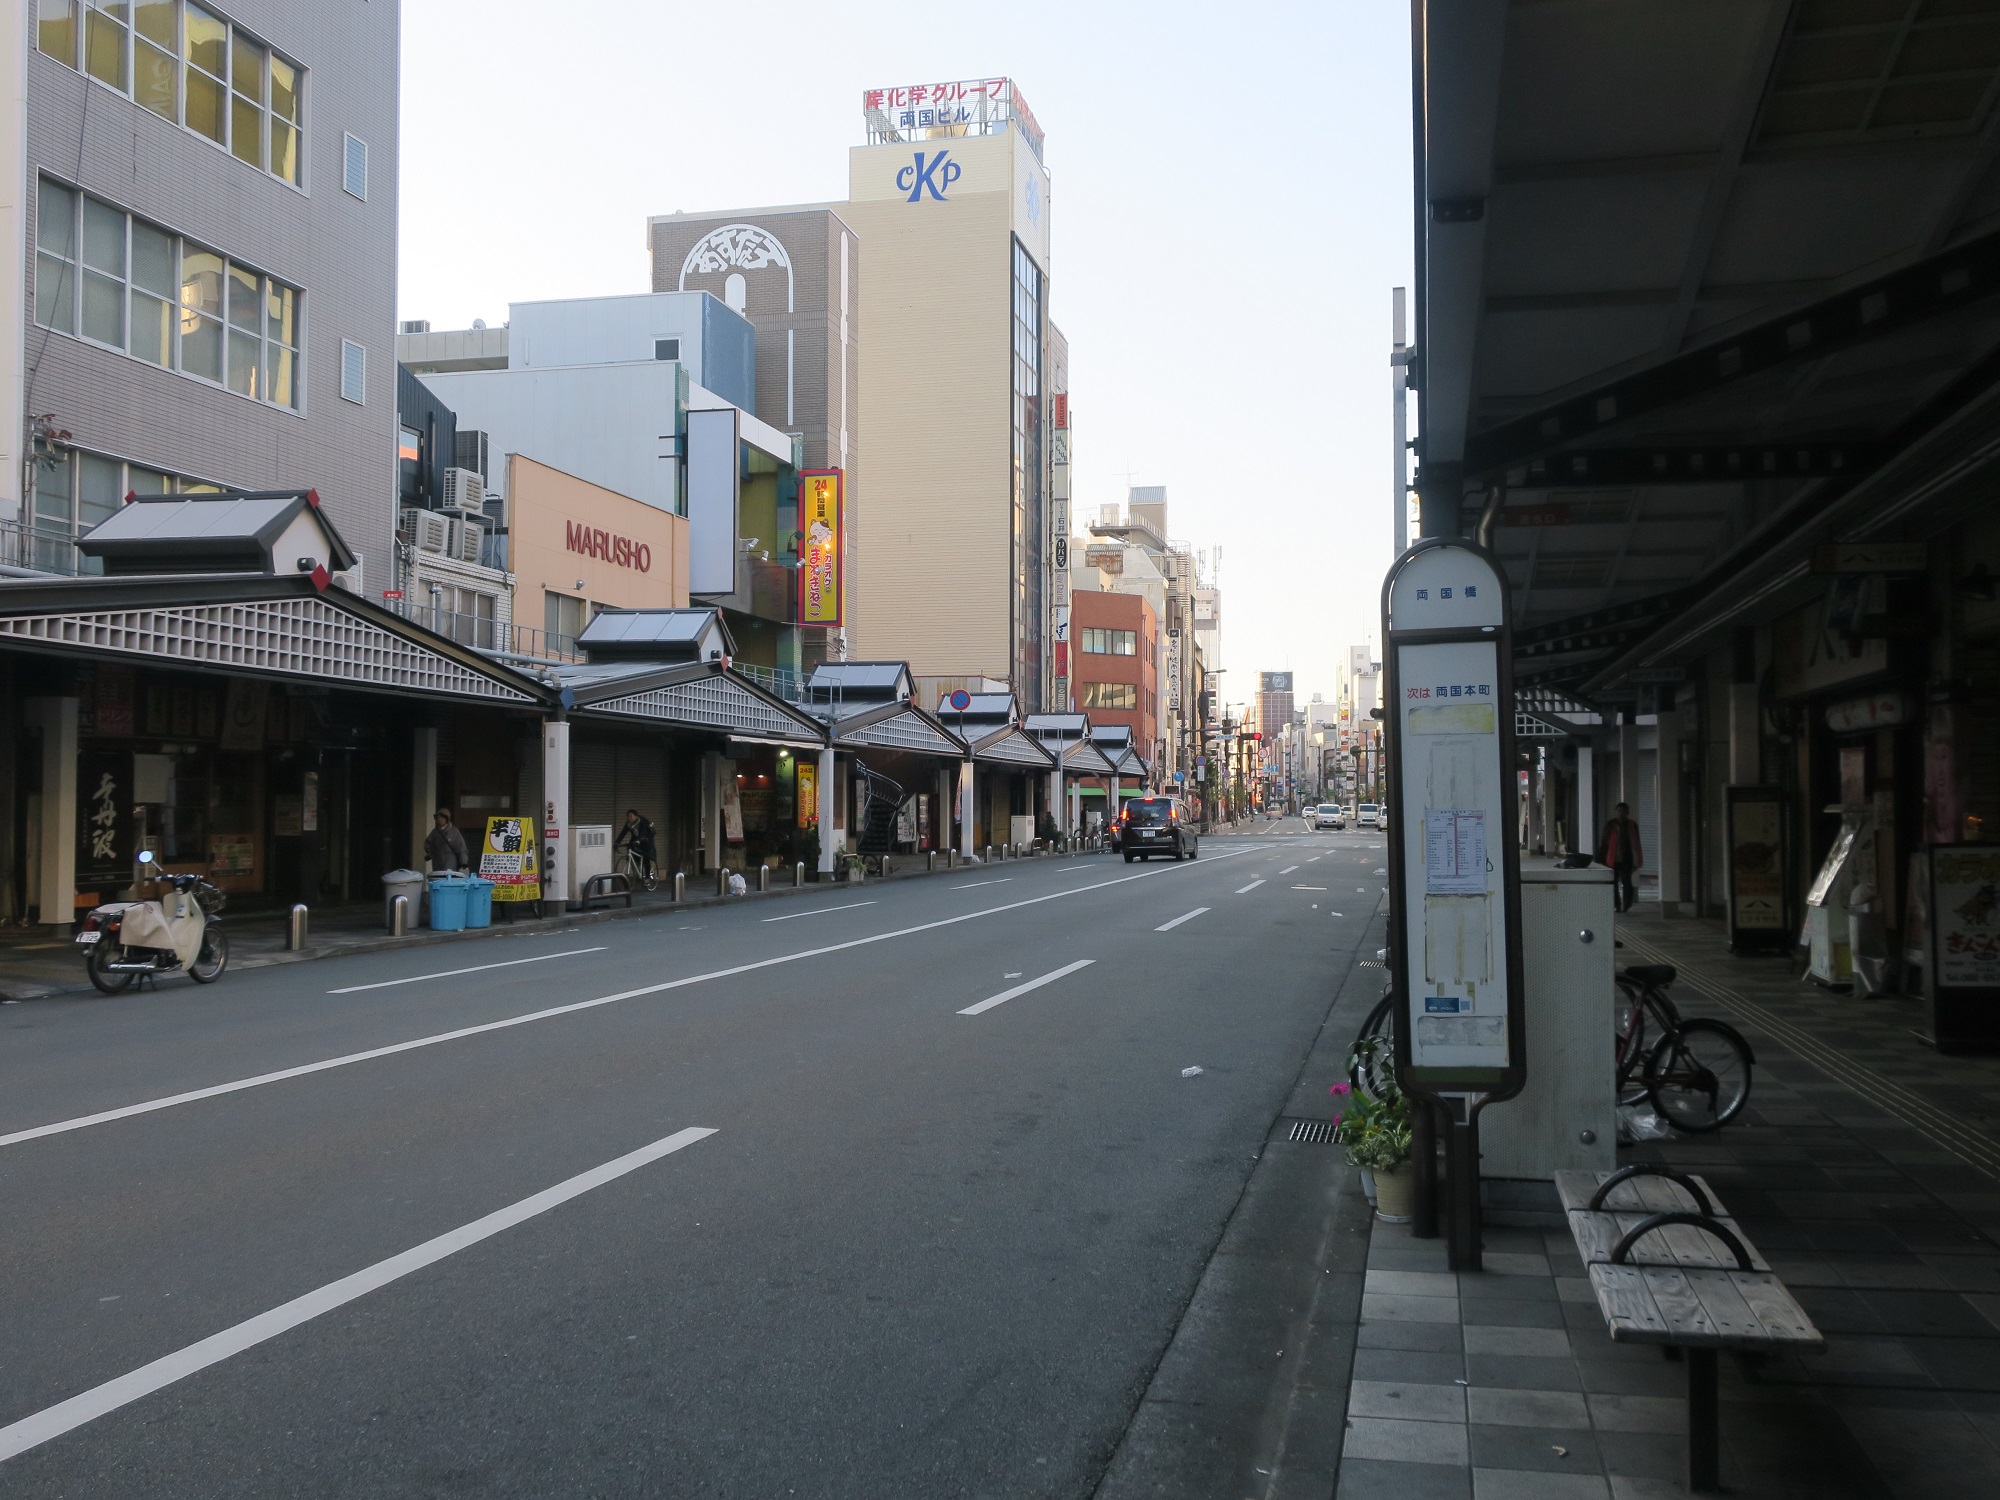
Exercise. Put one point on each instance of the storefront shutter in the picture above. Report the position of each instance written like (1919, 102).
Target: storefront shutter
(593, 782)
(642, 783)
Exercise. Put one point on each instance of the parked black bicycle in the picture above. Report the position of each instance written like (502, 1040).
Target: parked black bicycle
(1696, 1073)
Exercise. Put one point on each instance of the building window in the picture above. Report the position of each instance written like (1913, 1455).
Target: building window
(1110, 642)
(354, 167)
(353, 372)
(666, 348)
(1110, 695)
(1029, 517)
(119, 281)
(563, 616)
(73, 491)
(188, 65)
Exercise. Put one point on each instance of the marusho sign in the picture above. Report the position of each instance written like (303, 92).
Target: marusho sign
(607, 546)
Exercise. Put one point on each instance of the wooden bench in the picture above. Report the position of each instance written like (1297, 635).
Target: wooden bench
(1671, 1267)
(604, 887)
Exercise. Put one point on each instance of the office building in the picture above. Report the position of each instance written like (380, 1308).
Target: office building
(210, 267)
(939, 265)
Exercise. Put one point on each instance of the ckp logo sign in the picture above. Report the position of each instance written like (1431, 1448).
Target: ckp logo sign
(931, 175)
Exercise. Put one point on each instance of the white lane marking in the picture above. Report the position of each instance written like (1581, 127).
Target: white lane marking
(1308, 887)
(978, 883)
(67, 1416)
(126, 1112)
(1288, 869)
(1316, 859)
(792, 916)
(1189, 917)
(1250, 887)
(1021, 989)
(539, 958)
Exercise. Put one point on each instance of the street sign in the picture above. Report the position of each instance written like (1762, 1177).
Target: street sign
(1454, 868)
(961, 700)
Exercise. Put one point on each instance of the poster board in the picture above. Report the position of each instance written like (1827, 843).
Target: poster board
(1964, 978)
(507, 857)
(1758, 870)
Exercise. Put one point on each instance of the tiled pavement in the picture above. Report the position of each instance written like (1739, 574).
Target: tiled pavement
(1849, 1170)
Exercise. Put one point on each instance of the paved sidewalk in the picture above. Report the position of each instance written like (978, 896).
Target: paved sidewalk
(33, 965)
(1859, 1168)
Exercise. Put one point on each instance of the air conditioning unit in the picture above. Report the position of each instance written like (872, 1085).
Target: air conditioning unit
(464, 491)
(467, 537)
(425, 530)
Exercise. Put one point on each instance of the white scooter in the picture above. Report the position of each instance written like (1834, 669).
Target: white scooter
(178, 928)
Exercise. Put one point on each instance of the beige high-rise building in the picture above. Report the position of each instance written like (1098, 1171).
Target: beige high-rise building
(948, 202)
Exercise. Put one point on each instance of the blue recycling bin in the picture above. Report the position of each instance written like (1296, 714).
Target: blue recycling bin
(478, 902)
(448, 896)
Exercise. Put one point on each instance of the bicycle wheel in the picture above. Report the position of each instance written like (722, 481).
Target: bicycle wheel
(1629, 1045)
(1366, 1075)
(1698, 1076)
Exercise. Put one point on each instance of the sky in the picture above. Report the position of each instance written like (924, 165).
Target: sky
(1230, 209)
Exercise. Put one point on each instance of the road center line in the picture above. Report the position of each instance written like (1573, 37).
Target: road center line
(126, 1112)
(1187, 917)
(1288, 869)
(67, 1416)
(1239, 891)
(1021, 989)
(539, 958)
(1308, 887)
(793, 916)
(978, 883)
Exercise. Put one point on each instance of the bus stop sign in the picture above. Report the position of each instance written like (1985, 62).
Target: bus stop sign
(1454, 861)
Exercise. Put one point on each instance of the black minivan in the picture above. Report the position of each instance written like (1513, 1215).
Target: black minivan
(1153, 825)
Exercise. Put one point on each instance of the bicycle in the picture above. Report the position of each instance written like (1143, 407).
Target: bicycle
(1368, 1067)
(1697, 1074)
(636, 868)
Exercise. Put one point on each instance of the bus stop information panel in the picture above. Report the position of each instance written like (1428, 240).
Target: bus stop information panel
(1452, 855)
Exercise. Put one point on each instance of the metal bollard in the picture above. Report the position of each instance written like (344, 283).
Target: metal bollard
(930, 860)
(799, 874)
(885, 866)
(295, 934)
(722, 880)
(989, 854)
(680, 885)
(763, 878)
(951, 859)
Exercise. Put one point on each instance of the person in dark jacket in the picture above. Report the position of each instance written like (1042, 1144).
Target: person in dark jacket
(1618, 847)
(444, 849)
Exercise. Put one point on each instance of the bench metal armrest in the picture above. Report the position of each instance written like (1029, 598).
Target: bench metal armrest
(1700, 1221)
(1703, 1201)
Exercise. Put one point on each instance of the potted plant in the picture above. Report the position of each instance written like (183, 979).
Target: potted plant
(1376, 1129)
(855, 867)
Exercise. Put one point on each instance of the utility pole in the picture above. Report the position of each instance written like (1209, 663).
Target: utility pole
(1399, 382)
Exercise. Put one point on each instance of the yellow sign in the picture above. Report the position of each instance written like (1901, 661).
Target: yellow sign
(509, 860)
(808, 795)
(820, 547)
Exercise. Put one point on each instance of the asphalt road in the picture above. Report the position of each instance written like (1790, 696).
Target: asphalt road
(741, 1204)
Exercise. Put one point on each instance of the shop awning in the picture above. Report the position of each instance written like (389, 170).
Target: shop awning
(693, 695)
(1014, 746)
(282, 626)
(889, 726)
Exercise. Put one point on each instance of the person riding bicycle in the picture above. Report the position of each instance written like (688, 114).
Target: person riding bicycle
(637, 832)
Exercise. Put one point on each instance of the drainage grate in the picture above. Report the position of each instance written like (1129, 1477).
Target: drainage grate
(1315, 1132)
(1373, 963)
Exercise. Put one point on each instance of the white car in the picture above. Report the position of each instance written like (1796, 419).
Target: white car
(1326, 815)
(1368, 815)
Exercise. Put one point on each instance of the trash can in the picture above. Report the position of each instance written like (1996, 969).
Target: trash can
(448, 893)
(402, 883)
(478, 902)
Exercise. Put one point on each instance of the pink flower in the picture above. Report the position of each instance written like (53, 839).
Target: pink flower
(1338, 1089)
(1336, 1121)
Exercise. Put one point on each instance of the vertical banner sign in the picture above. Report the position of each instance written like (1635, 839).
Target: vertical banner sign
(1454, 868)
(808, 798)
(1058, 550)
(820, 500)
(508, 859)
